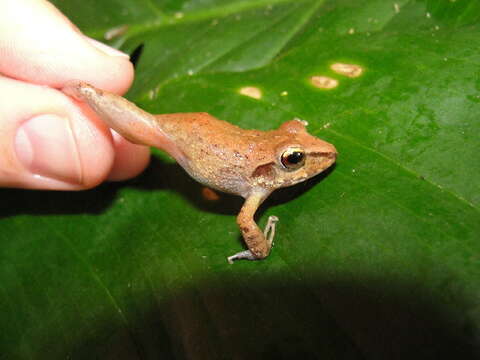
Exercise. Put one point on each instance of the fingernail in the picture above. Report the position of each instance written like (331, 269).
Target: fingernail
(106, 49)
(46, 146)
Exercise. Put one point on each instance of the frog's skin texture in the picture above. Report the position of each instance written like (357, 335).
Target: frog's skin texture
(249, 163)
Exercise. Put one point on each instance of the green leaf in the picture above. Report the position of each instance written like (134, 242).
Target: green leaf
(377, 259)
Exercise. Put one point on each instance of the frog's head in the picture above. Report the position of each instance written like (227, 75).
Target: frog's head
(298, 155)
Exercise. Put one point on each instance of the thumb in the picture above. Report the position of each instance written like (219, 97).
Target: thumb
(47, 143)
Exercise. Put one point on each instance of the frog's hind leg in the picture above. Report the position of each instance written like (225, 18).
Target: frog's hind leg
(268, 233)
(259, 243)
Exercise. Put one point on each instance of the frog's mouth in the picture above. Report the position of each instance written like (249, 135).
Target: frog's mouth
(326, 158)
(328, 155)
(322, 159)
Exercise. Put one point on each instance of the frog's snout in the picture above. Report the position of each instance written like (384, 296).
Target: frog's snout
(331, 151)
(331, 157)
(326, 153)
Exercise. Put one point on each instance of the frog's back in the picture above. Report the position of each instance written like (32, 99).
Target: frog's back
(197, 129)
(216, 153)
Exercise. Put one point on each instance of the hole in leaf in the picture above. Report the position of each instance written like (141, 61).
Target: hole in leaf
(135, 54)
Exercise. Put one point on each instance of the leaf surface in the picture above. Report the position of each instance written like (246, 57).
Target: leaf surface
(378, 258)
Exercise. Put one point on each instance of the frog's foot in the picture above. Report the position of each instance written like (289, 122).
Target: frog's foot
(247, 254)
(269, 231)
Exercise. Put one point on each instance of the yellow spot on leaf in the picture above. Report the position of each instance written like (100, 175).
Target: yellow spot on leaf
(323, 82)
(251, 91)
(350, 70)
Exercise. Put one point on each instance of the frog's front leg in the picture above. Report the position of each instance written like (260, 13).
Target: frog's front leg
(259, 243)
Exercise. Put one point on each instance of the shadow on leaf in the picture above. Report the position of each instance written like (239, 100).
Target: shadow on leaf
(158, 176)
(280, 319)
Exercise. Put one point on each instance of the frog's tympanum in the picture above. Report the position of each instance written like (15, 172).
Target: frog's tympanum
(249, 163)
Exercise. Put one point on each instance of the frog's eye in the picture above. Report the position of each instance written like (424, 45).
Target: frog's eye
(293, 158)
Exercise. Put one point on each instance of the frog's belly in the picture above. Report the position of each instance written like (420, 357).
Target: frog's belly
(222, 179)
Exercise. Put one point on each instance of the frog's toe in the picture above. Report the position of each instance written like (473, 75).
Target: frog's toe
(269, 231)
(247, 255)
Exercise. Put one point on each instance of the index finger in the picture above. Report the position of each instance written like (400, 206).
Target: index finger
(38, 44)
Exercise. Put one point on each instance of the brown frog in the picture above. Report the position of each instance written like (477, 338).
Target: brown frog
(249, 163)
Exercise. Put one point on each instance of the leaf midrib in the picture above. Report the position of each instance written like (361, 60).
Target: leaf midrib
(198, 16)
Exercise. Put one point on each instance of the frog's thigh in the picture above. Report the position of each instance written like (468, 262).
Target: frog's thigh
(257, 243)
(254, 238)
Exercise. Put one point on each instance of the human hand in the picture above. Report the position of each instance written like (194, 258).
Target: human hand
(48, 140)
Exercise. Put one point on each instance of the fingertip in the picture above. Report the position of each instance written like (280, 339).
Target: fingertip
(111, 73)
(107, 50)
